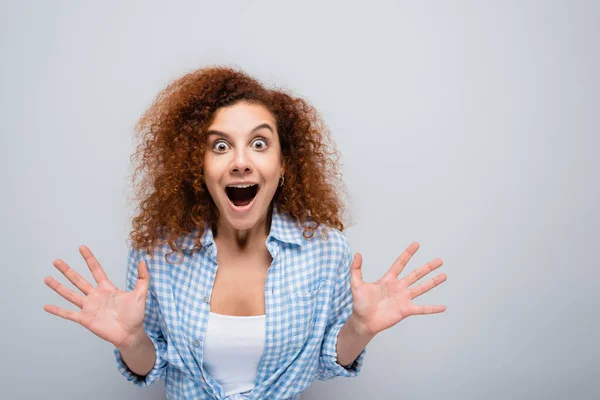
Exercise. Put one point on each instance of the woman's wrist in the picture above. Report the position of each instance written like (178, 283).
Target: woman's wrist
(134, 341)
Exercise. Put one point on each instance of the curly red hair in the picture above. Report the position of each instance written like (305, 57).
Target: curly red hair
(173, 200)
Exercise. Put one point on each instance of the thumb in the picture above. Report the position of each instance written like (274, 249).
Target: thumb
(356, 271)
(143, 278)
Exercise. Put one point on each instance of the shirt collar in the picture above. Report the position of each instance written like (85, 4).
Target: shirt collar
(283, 228)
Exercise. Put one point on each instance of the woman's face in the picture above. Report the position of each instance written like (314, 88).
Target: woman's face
(243, 149)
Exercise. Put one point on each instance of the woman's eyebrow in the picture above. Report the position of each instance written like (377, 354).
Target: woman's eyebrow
(225, 135)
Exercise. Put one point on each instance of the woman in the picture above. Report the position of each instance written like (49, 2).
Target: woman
(264, 294)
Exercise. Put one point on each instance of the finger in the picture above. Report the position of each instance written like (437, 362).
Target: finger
(356, 271)
(73, 276)
(401, 261)
(93, 264)
(65, 292)
(143, 278)
(427, 286)
(422, 271)
(61, 312)
(423, 310)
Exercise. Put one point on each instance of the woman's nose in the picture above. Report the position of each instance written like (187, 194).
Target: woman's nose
(241, 162)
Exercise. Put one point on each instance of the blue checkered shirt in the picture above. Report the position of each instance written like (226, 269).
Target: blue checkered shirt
(307, 300)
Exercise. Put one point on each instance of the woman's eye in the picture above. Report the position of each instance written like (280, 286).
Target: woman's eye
(220, 146)
(260, 144)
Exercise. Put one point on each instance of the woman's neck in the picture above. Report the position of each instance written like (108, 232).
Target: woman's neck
(242, 241)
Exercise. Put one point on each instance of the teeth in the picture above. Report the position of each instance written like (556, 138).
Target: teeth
(241, 186)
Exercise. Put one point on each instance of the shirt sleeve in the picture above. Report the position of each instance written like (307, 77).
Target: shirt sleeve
(151, 327)
(340, 312)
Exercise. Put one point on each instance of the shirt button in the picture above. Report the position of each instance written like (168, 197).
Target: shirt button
(205, 298)
(196, 343)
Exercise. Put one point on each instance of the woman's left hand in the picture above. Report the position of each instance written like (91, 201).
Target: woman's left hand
(384, 303)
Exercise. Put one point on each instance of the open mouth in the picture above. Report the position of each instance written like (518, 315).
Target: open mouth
(241, 195)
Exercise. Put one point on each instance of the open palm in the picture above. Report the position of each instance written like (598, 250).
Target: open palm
(111, 314)
(382, 304)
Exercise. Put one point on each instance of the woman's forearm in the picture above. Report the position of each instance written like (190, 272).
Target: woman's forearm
(140, 356)
(351, 341)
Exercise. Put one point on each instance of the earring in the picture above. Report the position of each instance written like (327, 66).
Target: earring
(282, 180)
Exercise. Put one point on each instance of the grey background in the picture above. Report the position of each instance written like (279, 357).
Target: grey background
(469, 126)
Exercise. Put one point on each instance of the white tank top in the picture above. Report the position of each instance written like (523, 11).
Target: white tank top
(233, 347)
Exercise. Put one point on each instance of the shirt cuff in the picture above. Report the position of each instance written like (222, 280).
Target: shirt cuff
(328, 365)
(155, 373)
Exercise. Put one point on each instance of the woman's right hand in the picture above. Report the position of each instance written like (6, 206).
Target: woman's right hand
(111, 314)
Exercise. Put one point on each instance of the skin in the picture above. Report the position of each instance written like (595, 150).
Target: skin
(238, 152)
(387, 301)
(382, 304)
(117, 316)
(110, 313)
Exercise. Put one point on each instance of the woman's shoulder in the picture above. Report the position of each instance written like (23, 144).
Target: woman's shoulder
(326, 235)
(328, 243)
(163, 254)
